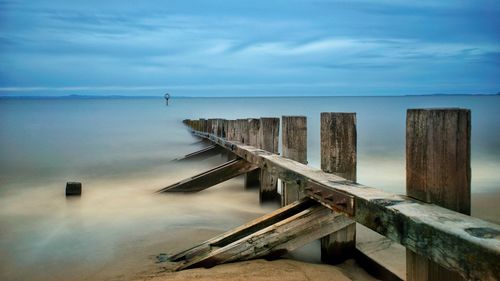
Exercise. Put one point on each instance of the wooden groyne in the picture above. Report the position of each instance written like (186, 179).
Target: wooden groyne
(432, 221)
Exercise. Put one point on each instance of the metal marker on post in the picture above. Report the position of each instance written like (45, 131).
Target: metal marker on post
(167, 97)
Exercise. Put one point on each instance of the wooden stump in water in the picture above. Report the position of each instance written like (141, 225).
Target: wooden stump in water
(73, 188)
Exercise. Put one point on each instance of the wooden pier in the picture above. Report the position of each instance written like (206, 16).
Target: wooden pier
(432, 221)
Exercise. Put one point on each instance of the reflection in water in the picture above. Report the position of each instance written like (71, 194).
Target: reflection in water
(121, 150)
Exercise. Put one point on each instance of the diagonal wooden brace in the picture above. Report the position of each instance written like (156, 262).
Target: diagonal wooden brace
(202, 153)
(272, 235)
(211, 177)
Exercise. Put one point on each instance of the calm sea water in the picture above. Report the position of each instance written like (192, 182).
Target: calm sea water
(121, 150)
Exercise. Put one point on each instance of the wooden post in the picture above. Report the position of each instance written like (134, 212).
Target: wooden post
(268, 140)
(243, 130)
(338, 156)
(225, 128)
(438, 172)
(230, 129)
(253, 132)
(203, 125)
(231, 135)
(220, 128)
(215, 126)
(294, 146)
(252, 178)
(210, 125)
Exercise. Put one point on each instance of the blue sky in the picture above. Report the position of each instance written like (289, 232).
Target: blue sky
(244, 48)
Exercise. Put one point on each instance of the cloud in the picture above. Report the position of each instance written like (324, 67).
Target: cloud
(56, 45)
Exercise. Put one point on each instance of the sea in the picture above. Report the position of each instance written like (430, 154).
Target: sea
(123, 149)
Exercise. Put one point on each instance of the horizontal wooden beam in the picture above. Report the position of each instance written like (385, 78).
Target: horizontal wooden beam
(458, 242)
(269, 236)
(211, 177)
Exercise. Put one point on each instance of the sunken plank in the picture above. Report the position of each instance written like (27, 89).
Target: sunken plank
(456, 241)
(211, 177)
(202, 153)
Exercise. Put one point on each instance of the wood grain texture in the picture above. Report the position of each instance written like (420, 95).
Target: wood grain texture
(438, 172)
(269, 129)
(456, 241)
(338, 144)
(338, 156)
(438, 157)
(294, 146)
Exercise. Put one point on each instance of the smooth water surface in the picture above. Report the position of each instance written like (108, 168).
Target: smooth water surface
(121, 150)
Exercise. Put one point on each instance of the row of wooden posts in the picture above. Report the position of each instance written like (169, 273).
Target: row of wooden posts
(437, 164)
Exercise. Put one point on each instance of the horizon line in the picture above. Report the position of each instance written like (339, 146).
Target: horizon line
(78, 96)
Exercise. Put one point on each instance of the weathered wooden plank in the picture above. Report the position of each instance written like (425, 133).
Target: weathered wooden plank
(273, 240)
(338, 156)
(438, 172)
(211, 177)
(244, 230)
(202, 153)
(268, 140)
(458, 242)
(294, 146)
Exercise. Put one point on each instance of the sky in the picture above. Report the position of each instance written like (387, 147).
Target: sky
(249, 48)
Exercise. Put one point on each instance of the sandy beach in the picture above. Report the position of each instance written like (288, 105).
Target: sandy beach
(277, 270)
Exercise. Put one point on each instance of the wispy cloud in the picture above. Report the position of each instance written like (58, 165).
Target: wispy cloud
(337, 43)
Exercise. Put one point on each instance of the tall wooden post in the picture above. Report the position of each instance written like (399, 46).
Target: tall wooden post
(237, 130)
(203, 125)
(438, 172)
(268, 140)
(338, 156)
(230, 130)
(243, 130)
(294, 146)
(221, 130)
(210, 124)
(252, 178)
(231, 135)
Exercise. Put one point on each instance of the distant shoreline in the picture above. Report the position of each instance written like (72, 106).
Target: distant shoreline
(223, 97)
